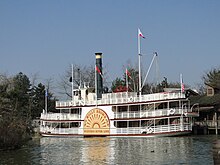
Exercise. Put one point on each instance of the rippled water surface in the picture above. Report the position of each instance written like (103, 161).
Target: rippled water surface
(109, 150)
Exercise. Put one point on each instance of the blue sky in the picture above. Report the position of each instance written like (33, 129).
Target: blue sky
(45, 37)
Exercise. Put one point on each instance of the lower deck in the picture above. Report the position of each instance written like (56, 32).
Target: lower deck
(130, 131)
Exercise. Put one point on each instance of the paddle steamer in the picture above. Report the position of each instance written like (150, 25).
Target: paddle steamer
(119, 114)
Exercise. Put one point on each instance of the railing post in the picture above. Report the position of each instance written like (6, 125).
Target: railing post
(216, 124)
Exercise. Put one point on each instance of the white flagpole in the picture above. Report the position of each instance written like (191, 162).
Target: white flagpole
(126, 72)
(46, 95)
(181, 82)
(139, 60)
(139, 42)
(72, 80)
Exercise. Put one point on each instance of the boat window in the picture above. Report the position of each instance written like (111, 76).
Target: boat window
(174, 104)
(64, 125)
(174, 121)
(114, 108)
(161, 105)
(122, 108)
(147, 123)
(147, 107)
(76, 111)
(134, 123)
(134, 107)
(163, 122)
(120, 124)
(65, 110)
(75, 124)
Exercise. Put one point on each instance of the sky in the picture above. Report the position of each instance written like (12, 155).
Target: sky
(45, 37)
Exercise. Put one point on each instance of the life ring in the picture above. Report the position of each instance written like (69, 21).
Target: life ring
(172, 111)
(131, 99)
(150, 130)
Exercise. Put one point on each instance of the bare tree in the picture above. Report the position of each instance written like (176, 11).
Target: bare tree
(33, 79)
(81, 75)
(201, 88)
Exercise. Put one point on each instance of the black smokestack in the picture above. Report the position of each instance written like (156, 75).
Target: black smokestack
(99, 77)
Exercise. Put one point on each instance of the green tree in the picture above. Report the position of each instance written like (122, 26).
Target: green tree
(116, 84)
(132, 76)
(212, 79)
(19, 94)
(20, 102)
(38, 100)
(14, 112)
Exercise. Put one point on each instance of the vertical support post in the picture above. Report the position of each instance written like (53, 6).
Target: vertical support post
(46, 95)
(168, 124)
(216, 124)
(139, 61)
(139, 68)
(72, 81)
(126, 77)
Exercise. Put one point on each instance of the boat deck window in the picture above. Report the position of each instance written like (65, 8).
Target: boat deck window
(134, 123)
(134, 108)
(120, 124)
(122, 108)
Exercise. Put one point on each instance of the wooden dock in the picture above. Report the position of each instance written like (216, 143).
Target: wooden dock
(207, 127)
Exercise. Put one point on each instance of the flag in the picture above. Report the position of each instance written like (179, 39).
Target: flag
(182, 84)
(140, 34)
(98, 70)
(46, 93)
(182, 88)
(128, 73)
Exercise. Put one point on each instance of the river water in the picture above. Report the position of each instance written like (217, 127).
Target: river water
(108, 150)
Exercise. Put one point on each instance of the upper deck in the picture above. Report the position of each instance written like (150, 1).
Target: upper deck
(120, 98)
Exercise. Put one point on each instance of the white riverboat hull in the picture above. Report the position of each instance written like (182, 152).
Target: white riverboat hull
(168, 134)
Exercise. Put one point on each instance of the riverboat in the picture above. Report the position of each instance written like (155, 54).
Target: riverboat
(95, 113)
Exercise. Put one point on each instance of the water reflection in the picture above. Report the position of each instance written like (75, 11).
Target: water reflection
(71, 151)
(96, 151)
(152, 151)
(60, 151)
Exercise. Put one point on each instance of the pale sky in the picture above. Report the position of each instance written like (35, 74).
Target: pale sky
(46, 36)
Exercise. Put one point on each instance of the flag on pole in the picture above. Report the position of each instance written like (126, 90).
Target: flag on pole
(128, 73)
(46, 93)
(182, 88)
(98, 70)
(46, 98)
(140, 34)
(182, 84)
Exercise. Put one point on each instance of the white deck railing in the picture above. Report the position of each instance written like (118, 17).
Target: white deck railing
(153, 113)
(59, 130)
(124, 115)
(122, 99)
(130, 130)
(156, 129)
(60, 116)
(142, 114)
